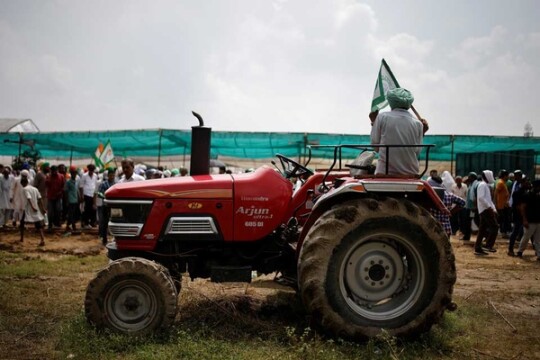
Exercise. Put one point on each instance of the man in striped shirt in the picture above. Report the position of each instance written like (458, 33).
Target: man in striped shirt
(449, 200)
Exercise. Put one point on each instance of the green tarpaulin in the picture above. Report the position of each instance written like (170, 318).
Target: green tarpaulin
(243, 145)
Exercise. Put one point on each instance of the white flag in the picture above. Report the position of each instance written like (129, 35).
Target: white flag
(107, 156)
(385, 81)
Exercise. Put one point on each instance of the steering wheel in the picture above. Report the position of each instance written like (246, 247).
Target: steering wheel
(291, 168)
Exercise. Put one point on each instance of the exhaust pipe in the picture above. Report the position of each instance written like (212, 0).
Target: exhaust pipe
(200, 148)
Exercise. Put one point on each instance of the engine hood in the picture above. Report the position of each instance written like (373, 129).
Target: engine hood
(195, 187)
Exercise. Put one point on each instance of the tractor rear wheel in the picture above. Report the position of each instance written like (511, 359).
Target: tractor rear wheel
(368, 265)
(131, 296)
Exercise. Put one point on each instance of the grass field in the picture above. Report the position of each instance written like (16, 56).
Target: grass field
(41, 315)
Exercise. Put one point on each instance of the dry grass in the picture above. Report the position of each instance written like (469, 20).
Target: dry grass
(41, 297)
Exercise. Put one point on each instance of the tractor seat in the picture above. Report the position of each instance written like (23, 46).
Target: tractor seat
(363, 164)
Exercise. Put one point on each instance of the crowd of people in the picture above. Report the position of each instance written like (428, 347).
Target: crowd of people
(53, 196)
(56, 196)
(508, 206)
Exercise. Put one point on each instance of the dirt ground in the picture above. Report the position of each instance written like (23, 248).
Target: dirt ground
(506, 287)
(82, 243)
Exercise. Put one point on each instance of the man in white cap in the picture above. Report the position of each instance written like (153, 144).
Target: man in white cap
(397, 127)
(488, 227)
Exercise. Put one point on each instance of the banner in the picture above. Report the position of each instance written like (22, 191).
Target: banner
(385, 81)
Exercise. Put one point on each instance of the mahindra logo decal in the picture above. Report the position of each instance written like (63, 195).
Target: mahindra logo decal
(194, 205)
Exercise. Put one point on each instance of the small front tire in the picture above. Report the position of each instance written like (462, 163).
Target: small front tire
(132, 296)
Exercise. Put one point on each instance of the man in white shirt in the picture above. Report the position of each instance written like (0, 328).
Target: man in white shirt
(488, 228)
(33, 211)
(17, 197)
(127, 168)
(460, 218)
(87, 190)
(459, 188)
(6, 208)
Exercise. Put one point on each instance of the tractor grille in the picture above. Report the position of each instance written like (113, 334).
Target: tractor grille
(125, 230)
(191, 225)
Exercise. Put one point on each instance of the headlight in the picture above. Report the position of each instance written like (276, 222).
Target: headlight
(129, 211)
(117, 213)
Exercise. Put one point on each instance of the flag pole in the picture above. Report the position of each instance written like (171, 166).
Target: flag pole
(423, 121)
(416, 112)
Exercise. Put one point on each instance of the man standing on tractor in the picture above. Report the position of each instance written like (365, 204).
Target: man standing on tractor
(397, 127)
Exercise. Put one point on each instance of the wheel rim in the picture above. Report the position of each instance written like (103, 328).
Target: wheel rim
(382, 276)
(131, 305)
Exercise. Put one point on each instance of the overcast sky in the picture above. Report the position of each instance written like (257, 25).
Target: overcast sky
(262, 65)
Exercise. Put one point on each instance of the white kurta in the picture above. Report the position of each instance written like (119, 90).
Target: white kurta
(19, 199)
(33, 196)
(5, 192)
(397, 127)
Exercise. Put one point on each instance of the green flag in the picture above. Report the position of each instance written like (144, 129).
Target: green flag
(97, 154)
(385, 81)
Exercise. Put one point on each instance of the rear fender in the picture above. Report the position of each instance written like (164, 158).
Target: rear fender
(417, 191)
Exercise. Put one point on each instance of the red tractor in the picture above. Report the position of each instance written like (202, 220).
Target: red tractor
(364, 252)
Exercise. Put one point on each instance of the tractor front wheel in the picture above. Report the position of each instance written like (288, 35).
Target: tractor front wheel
(131, 296)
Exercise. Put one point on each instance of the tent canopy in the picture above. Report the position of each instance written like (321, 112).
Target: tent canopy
(243, 145)
(17, 125)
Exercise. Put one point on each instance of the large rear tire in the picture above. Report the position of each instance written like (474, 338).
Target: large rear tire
(369, 265)
(131, 296)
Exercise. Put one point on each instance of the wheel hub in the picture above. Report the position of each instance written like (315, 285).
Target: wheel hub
(131, 303)
(377, 272)
(374, 271)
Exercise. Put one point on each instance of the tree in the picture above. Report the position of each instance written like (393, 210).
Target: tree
(528, 132)
(30, 156)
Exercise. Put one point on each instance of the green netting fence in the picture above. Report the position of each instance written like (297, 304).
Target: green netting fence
(242, 145)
